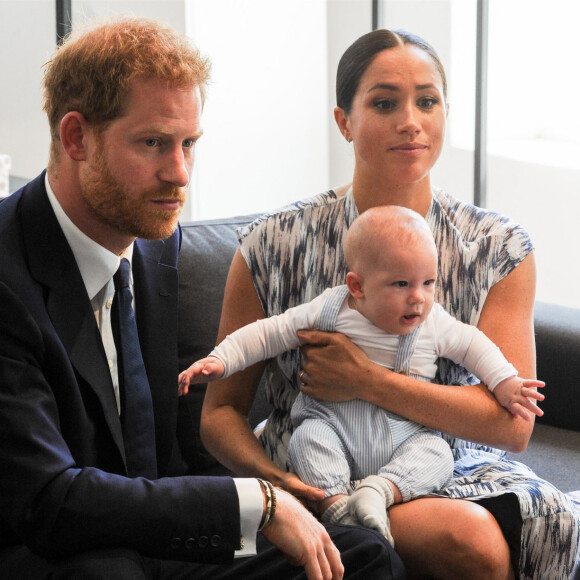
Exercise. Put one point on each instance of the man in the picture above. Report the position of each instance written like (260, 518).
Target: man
(87, 434)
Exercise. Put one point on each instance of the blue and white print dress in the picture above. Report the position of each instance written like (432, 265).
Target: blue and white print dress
(295, 253)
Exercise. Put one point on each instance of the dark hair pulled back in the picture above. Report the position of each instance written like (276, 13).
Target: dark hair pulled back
(359, 55)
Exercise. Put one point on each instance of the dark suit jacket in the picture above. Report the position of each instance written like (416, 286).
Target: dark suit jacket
(63, 484)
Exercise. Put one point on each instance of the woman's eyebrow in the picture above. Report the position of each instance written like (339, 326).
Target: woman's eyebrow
(390, 87)
(383, 86)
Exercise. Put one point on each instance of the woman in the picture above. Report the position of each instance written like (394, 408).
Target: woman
(391, 104)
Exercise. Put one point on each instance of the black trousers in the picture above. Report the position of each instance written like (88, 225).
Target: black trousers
(366, 555)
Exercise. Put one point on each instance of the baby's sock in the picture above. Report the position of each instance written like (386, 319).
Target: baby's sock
(338, 513)
(369, 503)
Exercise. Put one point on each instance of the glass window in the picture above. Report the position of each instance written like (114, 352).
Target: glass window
(534, 137)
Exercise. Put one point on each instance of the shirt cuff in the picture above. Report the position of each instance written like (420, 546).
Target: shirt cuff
(251, 501)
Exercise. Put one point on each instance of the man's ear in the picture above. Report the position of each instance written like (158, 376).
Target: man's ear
(73, 135)
(354, 283)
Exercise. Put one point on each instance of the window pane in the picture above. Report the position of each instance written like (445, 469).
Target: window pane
(534, 138)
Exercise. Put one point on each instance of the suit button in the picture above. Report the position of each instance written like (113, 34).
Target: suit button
(215, 541)
(176, 543)
(203, 542)
(190, 544)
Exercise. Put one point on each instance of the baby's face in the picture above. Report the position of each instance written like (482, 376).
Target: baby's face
(399, 288)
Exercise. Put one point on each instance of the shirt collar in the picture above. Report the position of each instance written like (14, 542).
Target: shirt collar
(96, 264)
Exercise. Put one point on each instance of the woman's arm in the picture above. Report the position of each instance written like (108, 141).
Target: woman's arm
(225, 430)
(341, 371)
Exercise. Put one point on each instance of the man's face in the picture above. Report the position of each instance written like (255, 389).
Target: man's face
(135, 181)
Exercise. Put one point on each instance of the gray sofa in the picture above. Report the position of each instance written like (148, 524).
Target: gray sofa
(207, 249)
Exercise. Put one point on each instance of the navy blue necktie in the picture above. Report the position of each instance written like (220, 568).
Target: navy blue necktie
(136, 404)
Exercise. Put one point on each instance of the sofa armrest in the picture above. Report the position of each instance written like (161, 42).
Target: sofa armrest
(557, 331)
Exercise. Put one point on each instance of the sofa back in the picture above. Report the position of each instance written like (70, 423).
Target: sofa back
(207, 249)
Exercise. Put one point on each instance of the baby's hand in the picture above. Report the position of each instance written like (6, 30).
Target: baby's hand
(202, 371)
(518, 396)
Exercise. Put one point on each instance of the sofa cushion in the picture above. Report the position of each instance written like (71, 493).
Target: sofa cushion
(206, 252)
(554, 454)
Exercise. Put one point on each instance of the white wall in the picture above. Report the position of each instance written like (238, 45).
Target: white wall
(27, 39)
(270, 136)
(265, 122)
(546, 200)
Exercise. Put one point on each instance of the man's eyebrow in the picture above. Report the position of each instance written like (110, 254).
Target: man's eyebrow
(156, 130)
(389, 87)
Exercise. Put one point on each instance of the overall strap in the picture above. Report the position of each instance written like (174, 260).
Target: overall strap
(407, 343)
(331, 308)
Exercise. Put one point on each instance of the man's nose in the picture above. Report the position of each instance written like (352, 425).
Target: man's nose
(176, 168)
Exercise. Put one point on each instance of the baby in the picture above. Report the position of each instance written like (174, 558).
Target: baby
(387, 308)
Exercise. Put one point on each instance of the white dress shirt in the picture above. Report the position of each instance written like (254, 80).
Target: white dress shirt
(97, 266)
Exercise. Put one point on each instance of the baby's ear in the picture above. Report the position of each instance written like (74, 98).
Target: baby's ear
(354, 283)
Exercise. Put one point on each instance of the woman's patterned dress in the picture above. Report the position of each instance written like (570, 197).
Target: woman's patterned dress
(297, 252)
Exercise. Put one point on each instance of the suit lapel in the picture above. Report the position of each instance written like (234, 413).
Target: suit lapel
(53, 265)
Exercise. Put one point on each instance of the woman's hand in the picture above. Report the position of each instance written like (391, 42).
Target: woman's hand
(335, 369)
(294, 485)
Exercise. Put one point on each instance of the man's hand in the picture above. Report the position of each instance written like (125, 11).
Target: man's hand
(303, 539)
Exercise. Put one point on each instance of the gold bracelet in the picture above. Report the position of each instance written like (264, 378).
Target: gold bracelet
(270, 503)
(273, 494)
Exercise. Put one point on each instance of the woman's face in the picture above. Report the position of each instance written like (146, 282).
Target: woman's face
(397, 119)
